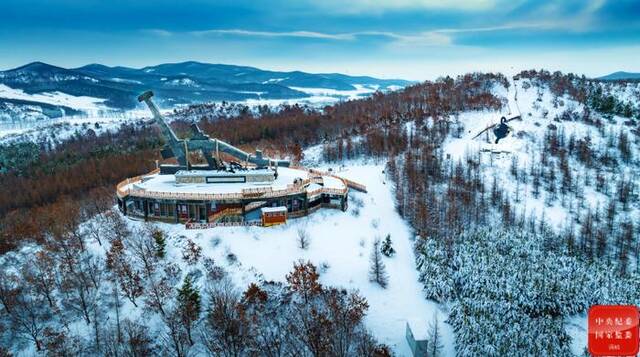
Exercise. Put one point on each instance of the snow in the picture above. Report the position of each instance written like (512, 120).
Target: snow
(318, 96)
(332, 182)
(184, 82)
(524, 143)
(273, 209)
(56, 98)
(124, 80)
(538, 107)
(418, 328)
(166, 183)
(576, 327)
(274, 80)
(328, 92)
(66, 126)
(342, 242)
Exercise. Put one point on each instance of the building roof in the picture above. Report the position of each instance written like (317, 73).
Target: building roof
(273, 209)
(286, 178)
(206, 173)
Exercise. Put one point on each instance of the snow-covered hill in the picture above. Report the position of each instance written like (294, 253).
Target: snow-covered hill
(564, 177)
(39, 90)
(340, 245)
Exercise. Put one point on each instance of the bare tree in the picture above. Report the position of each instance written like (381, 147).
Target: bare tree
(225, 330)
(122, 272)
(191, 252)
(175, 338)
(304, 280)
(303, 238)
(41, 274)
(29, 317)
(80, 284)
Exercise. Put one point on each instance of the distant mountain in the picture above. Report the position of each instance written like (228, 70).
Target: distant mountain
(620, 75)
(116, 88)
(243, 74)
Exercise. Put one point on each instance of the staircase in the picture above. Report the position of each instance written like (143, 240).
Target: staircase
(225, 212)
(254, 205)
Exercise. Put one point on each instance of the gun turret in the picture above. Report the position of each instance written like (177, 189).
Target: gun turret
(201, 141)
(175, 147)
(167, 131)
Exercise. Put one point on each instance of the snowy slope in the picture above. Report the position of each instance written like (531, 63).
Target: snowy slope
(525, 143)
(83, 103)
(540, 112)
(340, 246)
(342, 242)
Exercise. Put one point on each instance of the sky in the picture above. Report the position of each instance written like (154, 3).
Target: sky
(410, 39)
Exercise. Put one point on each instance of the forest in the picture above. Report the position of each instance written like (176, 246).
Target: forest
(460, 211)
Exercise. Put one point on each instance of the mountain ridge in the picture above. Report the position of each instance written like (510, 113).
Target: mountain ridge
(620, 75)
(181, 83)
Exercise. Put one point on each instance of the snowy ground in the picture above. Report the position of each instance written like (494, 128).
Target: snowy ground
(342, 242)
(525, 143)
(64, 127)
(321, 96)
(83, 103)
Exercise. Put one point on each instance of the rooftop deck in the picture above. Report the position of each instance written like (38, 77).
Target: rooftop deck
(289, 181)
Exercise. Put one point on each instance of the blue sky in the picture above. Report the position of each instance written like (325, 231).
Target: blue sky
(388, 38)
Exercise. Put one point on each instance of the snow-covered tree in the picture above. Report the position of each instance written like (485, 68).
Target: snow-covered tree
(188, 305)
(434, 338)
(377, 269)
(387, 248)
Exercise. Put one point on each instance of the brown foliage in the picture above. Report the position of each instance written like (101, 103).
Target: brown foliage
(304, 279)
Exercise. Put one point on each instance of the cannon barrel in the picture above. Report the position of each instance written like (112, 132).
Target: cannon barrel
(203, 142)
(166, 129)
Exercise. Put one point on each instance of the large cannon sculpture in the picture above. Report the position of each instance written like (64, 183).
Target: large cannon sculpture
(211, 148)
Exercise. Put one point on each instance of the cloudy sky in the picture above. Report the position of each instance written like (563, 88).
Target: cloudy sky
(413, 39)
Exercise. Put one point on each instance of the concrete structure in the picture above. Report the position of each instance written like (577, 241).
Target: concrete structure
(162, 198)
(226, 193)
(416, 334)
(199, 141)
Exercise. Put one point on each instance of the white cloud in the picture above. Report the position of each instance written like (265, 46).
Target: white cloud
(356, 6)
(157, 32)
(430, 38)
(303, 34)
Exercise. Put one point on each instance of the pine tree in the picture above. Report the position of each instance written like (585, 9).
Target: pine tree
(387, 249)
(188, 305)
(377, 271)
(434, 341)
(161, 242)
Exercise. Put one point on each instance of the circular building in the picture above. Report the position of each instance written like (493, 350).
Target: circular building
(204, 198)
(248, 189)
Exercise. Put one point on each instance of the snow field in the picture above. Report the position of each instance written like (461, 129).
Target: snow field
(340, 247)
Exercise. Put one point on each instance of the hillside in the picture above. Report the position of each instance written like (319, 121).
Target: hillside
(528, 232)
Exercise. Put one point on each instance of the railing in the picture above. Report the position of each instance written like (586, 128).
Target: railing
(351, 184)
(227, 211)
(124, 189)
(254, 205)
(122, 192)
(198, 225)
